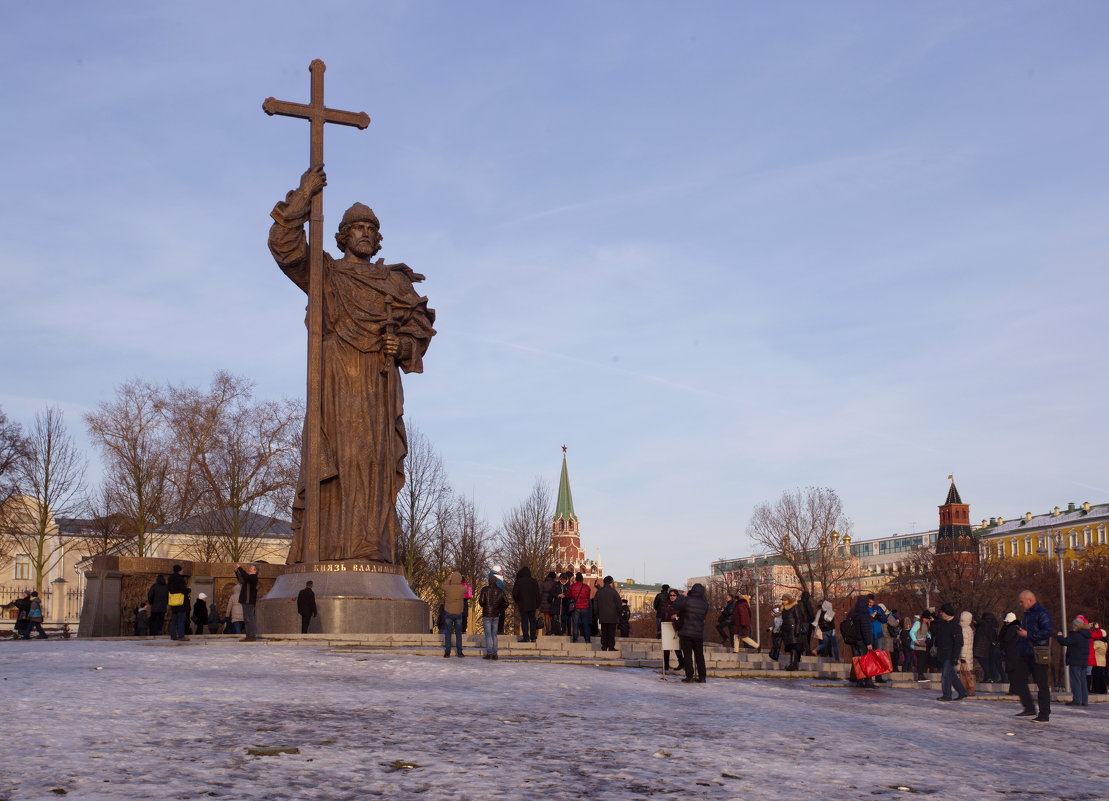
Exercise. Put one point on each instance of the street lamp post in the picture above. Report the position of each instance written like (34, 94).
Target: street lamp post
(1057, 541)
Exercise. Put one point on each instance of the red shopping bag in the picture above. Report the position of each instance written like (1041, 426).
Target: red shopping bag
(872, 663)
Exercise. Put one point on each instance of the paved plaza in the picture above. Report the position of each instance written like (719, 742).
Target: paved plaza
(95, 720)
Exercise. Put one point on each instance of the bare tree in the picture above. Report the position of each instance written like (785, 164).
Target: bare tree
(423, 510)
(109, 531)
(799, 529)
(471, 542)
(52, 481)
(244, 454)
(524, 536)
(147, 479)
(14, 449)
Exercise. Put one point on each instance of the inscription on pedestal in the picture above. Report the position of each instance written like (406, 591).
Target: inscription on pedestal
(345, 567)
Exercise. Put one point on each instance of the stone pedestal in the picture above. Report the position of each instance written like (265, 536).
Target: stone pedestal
(100, 613)
(352, 598)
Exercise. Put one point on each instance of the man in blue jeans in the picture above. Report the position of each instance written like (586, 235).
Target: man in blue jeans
(580, 595)
(493, 602)
(454, 609)
(178, 591)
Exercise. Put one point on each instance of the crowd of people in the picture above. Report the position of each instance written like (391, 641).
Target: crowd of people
(169, 600)
(965, 648)
(560, 605)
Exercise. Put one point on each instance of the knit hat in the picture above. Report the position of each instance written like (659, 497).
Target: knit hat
(948, 609)
(1010, 618)
(202, 597)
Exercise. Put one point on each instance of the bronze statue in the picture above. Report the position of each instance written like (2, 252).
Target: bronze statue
(374, 324)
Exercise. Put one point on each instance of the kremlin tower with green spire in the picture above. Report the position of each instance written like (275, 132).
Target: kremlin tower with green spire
(566, 535)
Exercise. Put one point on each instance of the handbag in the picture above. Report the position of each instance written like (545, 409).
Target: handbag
(177, 599)
(1041, 654)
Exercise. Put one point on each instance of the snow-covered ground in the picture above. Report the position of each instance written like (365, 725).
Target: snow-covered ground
(130, 720)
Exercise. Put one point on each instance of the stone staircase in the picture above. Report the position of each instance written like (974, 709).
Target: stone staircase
(635, 653)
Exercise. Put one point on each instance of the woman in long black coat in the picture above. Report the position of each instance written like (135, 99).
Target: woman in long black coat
(793, 631)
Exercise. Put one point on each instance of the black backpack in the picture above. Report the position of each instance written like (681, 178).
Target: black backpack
(849, 630)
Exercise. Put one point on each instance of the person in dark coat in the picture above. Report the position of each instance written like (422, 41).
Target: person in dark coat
(625, 624)
(724, 621)
(693, 608)
(1009, 641)
(179, 613)
(34, 618)
(566, 604)
(306, 606)
(1078, 656)
(158, 598)
(791, 631)
(607, 601)
(863, 615)
(248, 598)
(525, 594)
(808, 615)
(548, 600)
(947, 639)
(142, 620)
(1034, 631)
(22, 607)
(660, 600)
(669, 615)
(985, 645)
(493, 602)
(200, 613)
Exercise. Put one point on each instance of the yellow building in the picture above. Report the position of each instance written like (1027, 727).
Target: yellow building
(1083, 525)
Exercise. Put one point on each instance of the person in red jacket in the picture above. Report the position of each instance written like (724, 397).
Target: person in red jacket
(580, 596)
(741, 624)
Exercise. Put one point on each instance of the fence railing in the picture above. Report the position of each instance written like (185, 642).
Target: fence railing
(70, 600)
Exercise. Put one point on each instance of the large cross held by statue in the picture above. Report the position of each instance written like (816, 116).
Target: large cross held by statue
(316, 114)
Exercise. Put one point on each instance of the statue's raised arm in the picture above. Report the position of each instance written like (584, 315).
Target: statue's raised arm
(287, 241)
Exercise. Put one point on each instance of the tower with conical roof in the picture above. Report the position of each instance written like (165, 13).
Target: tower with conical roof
(954, 540)
(566, 534)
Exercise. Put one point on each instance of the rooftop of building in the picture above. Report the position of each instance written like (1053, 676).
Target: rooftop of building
(1073, 515)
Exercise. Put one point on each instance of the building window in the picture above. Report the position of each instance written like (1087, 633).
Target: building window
(21, 570)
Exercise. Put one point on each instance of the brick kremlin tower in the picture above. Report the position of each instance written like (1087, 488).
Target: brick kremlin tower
(566, 535)
(954, 540)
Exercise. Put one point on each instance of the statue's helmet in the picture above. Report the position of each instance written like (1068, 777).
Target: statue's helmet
(359, 212)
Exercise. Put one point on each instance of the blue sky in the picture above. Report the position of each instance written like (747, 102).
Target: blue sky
(720, 250)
